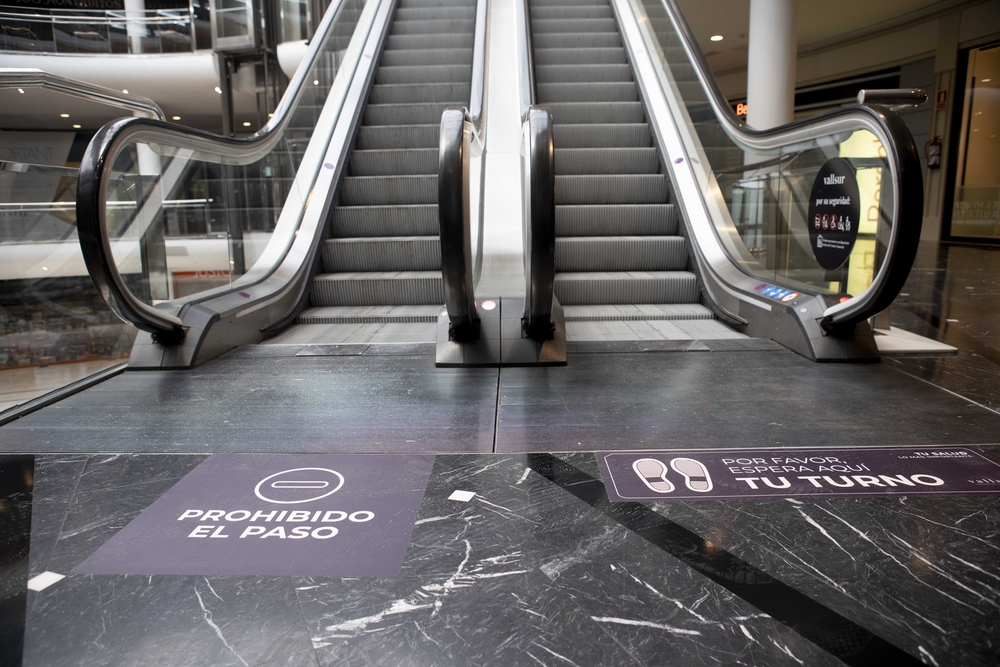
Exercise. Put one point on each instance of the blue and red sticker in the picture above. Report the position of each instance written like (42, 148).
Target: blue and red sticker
(777, 293)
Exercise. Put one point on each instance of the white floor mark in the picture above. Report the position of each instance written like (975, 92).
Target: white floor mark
(926, 654)
(815, 524)
(561, 657)
(968, 400)
(527, 653)
(974, 567)
(218, 631)
(357, 625)
(644, 624)
(44, 580)
(527, 471)
(462, 496)
(427, 636)
(212, 589)
(483, 500)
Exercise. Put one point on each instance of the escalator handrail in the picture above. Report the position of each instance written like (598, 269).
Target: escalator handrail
(539, 193)
(98, 159)
(903, 157)
(29, 77)
(458, 267)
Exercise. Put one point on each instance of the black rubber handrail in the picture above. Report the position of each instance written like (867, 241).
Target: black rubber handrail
(454, 217)
(110, 140)
(902, 153)
(538, 191)
(540, 227)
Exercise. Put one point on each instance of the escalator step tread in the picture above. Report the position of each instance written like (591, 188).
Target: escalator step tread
(587, 40)
(461, 40)
(426, 57)
(405, 220)
(620, 91)
(409, 161)
(422, 113)
(418, 93)
(628, 312)
(612, 189)
(572, 113)
(461, 12)
(608, 55)
(582, 73)
(369, 314)
(389, 253)
(412, 4)
(616, 219)
(573, 12)
(398, 136)
(612, 287)
(433, 27)
(604, 135)
(573, 26)
(621, 253)
(607, 161)
(410, 74)
(376, 288)
(386, 190)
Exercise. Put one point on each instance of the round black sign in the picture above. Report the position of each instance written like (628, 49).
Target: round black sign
(834, 213)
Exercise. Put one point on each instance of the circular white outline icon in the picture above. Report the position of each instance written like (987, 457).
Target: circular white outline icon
(304, 485)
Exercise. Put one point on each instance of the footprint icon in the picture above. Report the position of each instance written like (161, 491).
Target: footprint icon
(695, 474)
(653, 474)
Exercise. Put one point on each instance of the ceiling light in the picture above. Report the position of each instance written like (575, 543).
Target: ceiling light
(315, 82)
(21, 90)
(218, 90)
(176, 117)
(716, 38)
(77, 127)
(246, 124)
(45, 268)
(64, 115)
(124, 91)
(987, 80)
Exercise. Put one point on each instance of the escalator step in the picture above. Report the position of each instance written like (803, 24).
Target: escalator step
(419, 93)
(369, 314)
(606, 161)
(389, 253)
(574, 289)
(577, 40)
(582, 73)
(426, 57)
(398, 136)
(430, 41)
(399, 288)
(616, 219)
(551, 93)
(578, 26)
(621, 253)
(565, 3)
(612, 189)
(433, 3)
(447, 27)
(568, 113)
(404, 161)
(407, 114)
(423, 74)
(572, 12)
(388, 190)
(461, 12)
(633, 312)
(603, 135)
(406, 220)
(580, 56)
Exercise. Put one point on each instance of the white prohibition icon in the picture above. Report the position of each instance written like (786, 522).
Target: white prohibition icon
(300, 482)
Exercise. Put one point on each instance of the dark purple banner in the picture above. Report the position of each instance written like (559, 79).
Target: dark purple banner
(783, 473)
(248, 514)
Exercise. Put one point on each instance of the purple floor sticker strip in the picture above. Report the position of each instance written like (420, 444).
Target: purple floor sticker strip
(784, 473)
(246, 514)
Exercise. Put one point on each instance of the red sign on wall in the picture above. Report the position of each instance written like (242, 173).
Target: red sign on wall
(942, 99)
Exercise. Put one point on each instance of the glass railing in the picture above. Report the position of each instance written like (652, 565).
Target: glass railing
(106, 31)
(183, 215)
(54, 326)
(829, 206)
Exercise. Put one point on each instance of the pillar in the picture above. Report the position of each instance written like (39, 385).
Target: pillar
(771, 63)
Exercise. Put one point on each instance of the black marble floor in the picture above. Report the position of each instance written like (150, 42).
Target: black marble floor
(538, 567)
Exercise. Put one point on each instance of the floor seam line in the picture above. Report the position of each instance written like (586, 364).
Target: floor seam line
(964, 398)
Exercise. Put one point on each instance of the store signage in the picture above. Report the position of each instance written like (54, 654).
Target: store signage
(742, 109)
(279, 515)
(785, 473)
(834, 213)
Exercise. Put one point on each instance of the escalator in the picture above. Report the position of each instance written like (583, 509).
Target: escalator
(381, 266)
(622, 268)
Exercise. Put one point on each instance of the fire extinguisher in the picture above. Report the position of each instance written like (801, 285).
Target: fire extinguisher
(932, 151)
